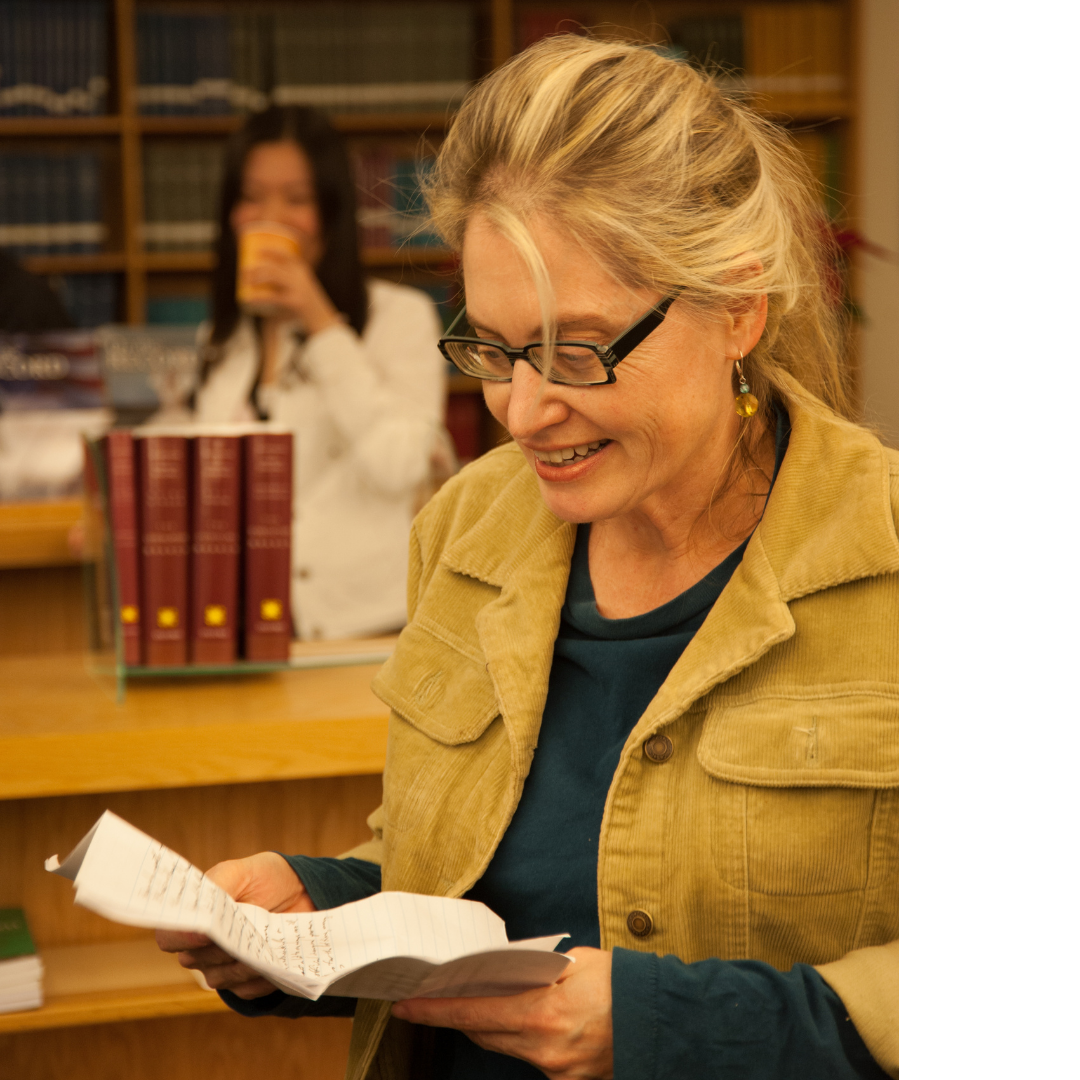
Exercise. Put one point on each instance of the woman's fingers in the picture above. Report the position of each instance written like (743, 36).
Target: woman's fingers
(489, 1014)
(207, 956)
(229, 976)
(178, 941)
(564, 1030)
(256, 988)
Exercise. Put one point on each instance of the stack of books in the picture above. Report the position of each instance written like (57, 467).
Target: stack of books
(20, 966)
(52, 388)
(376, 57)
(200, 520)
(409, 55)
(50, 204)
(181, 186)
(188, 63)
(53, 57)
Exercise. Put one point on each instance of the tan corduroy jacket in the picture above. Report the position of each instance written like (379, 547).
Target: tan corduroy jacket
(770, 832)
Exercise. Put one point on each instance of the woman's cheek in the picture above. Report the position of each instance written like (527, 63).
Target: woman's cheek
(497, 398)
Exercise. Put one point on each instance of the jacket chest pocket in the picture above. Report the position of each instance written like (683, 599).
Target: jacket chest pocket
(804, 792)
(447, 763)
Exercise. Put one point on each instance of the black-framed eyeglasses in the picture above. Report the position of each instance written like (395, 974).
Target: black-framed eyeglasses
(575, 363)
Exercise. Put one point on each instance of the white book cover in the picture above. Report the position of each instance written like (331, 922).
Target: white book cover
(390, 946)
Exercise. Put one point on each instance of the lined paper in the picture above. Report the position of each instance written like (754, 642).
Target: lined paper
(392, 945)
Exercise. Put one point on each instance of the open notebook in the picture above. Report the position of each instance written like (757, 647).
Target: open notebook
(391, 946)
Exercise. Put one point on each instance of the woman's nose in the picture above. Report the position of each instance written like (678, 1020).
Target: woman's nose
(534, 402)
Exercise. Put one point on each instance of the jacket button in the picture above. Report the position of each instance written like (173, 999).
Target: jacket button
(640, 923)
(659, 748)
(303, 573)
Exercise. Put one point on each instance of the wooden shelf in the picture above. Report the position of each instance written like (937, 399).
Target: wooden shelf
(36, 534)
(125, 980)
(62, 733)
(189, 125)
(376, 258)
(349, 123)
(409, 257)
(179, 261)
(104, 262)
(49, 126)
(784, 108)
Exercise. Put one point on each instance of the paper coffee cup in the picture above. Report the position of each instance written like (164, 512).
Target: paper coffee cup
(253, 242)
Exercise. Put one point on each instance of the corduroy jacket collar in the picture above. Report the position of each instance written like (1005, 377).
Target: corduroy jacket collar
(829, 521)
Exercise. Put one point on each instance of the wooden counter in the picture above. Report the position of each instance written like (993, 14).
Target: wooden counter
(213, 767)
(36, 533)
(62, 733)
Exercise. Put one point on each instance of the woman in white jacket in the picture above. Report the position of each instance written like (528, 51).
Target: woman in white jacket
(351, 367)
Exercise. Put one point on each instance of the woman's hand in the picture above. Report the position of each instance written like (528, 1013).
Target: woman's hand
(564, 1030)
(296, 289)
(265, 879)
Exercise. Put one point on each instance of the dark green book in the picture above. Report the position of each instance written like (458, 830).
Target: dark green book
(20, 966)
(15, 939)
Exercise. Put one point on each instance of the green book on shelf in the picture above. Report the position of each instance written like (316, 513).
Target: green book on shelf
(15, 939)
(20, 966)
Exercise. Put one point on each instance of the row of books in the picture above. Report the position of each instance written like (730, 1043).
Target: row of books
(182, 181)
(411, 54)
(50, 203)
(181, 187)
(53, 57)
(200, 521)
(790, 48)
(824, 153)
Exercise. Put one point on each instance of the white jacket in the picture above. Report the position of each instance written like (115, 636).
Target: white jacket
(365, 412)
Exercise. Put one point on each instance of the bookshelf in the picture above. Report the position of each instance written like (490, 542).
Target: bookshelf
(126, 130)
(785, 45)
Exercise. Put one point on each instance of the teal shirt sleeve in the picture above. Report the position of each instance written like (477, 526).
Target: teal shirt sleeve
(730, 1020)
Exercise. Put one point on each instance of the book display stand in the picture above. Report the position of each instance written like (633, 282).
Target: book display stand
(105, 611)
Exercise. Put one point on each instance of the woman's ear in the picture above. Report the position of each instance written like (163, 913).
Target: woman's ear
(747, 327)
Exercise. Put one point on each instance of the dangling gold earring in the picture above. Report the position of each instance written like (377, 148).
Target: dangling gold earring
(745, 404)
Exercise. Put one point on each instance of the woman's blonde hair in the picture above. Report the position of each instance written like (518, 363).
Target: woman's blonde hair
(667, 179)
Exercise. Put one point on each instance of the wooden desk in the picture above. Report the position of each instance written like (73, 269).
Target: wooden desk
(215, 768)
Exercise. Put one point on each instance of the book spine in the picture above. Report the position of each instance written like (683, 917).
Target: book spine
(215, 548)
(124, 524)
(464, 417)
(163, 499)
(267, 546)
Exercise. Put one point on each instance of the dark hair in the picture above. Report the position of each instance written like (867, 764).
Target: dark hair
(340, 271)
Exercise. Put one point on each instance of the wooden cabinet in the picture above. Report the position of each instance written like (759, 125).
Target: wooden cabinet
(214, 768)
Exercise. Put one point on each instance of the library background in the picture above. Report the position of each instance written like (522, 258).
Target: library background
(113, 117)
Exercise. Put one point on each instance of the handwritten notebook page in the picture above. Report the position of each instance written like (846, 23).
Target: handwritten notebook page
(390, 946)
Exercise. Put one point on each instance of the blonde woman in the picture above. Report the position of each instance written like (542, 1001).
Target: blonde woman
(648, 689)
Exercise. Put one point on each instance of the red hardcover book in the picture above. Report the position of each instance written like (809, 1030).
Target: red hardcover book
(215, 548)
(119, 449)
(163, 505)
(268, 461)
